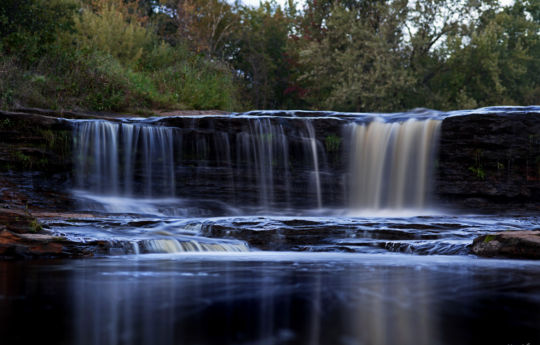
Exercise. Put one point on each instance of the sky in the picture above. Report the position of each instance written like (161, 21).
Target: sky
(300, 3)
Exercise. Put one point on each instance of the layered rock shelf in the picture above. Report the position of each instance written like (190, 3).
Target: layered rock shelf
(486, 162)
(490, 162)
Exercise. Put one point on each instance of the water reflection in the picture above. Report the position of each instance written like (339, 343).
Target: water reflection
(271, 298)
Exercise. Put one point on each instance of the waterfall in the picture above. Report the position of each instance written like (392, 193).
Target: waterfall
(219, 165)
(111, 157)
(264, 149)
(391, 163)
(315, 156)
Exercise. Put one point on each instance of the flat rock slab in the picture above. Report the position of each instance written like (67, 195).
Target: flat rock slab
(14, 245)
(511, 244)
(191, 112)
(63, 215)
(18, 221)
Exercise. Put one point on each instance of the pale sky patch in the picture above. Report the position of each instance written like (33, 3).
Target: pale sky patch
(300, 3)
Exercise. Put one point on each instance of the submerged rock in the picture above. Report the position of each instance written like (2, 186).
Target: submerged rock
(512, 244)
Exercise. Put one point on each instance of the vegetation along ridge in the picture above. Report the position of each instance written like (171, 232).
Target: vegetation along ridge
(142, 55)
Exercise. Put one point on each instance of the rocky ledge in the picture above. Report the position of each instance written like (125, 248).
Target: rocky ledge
(14, 245)
(490, 162)
(22, 236)
(510, 244)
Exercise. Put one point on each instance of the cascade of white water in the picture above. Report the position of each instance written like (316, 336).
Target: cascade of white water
(178, 246)
(391, 163)
(265, 148)
(110, 155)
(270, 164)
(315, 156)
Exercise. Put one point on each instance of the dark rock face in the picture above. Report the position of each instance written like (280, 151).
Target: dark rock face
(490, 162)
(35, 160)
(35, 169)
(487, 162)
(512, 244)
(33, 142)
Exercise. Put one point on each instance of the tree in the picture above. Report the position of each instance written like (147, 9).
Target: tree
(258, 51)
(358, 63)
(28, 28)
(115, 28)
(500, 64)
(202, 25)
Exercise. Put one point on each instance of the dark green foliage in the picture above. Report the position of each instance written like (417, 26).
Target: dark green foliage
(393, 55)
(332, 143)
(259, 55)
(498, 65)
(28, 28)
(109, 62)
(489, 238)
(357, 65)
(389, 55)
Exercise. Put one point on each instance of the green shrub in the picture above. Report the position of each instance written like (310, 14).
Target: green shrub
(8, 80)
(111, 62)
(109, 31)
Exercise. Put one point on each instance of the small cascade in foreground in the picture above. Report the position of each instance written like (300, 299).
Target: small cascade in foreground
(177, 246)
(391, 164)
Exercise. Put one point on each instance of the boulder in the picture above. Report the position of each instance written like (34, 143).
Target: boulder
(511, 244)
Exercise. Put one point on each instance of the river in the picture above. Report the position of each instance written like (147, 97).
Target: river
(272, 228)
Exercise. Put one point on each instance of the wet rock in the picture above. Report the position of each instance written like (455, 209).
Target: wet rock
(18, 221)
(33, 142)
(216, 163)
(490, 162)
(486, 162)
(512, 244)
(35, 161)
(261, 239)
(14, 245)
(67, 114)
(282, 236)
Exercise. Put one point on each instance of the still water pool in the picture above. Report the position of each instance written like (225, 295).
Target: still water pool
(271, 298)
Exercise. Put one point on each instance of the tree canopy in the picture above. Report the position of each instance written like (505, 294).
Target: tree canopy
(348, 55)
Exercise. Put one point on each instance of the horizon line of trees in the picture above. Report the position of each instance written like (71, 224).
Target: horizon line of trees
(344, 55)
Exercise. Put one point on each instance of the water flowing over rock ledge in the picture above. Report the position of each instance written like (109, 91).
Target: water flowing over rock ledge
(488, 161)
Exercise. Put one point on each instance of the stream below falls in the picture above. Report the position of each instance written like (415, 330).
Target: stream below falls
(268, 228)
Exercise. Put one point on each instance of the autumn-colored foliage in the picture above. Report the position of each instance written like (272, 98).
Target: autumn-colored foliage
(347, 55)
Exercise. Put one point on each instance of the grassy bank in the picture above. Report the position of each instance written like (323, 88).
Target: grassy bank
(103, 58)
(98, 81)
